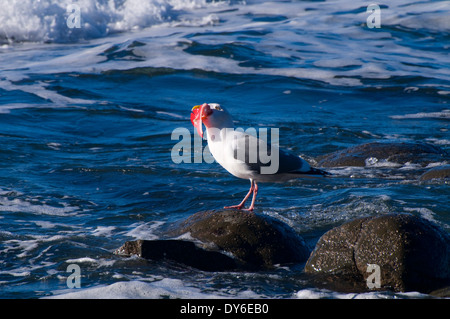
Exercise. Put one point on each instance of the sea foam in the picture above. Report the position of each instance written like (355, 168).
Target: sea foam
(47, 21)
(165, 288)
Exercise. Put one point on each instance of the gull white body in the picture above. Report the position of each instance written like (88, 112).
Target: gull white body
(224, 144)
(233, 151)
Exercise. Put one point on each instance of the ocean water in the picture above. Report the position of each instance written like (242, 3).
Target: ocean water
(87, 113)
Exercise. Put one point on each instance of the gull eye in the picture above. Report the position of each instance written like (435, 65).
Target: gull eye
(218, 108)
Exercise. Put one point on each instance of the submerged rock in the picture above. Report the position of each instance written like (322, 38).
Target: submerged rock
(224, 240)
(440, 172)
(181, 251)
(377, 153)
(412, 255)
(441, 293)
(256, 241)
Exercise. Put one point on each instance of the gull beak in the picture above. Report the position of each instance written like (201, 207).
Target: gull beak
(196, 118)
(200, 113)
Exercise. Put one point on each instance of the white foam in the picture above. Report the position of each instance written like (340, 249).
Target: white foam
(444, 114)
(24, 206)
(81, 260)
(165, 288)
(26, 247)
(375, 162)
(185, 236)
(144, 231)
(39, 89)
(436, 164)
(174, 115)
(45, 224)
(54, 146)
(438, 141)
(425, 213)
(315, 293)
(155, 289)
(40, 21)
(104, 231)
(99, 262)
(17, 273)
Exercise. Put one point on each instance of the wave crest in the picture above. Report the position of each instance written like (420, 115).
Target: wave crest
(47, 21)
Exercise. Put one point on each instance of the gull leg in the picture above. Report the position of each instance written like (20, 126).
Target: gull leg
(245, 198)
(255, 192)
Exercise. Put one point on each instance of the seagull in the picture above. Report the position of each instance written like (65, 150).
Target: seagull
(246, 156)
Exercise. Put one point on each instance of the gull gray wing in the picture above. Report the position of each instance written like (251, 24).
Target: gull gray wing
(256, 154)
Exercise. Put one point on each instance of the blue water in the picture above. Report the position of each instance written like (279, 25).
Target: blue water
(86, 117)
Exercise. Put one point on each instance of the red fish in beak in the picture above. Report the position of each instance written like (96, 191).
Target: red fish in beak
(200, 113)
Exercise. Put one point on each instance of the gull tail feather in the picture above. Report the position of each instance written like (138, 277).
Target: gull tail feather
(313, 171)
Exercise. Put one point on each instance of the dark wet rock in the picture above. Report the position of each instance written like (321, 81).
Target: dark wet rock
(181, 251)
(224, 240)
(413, 254)
(256, 241)
(440, 172)
(377, 152)
(441, 293)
